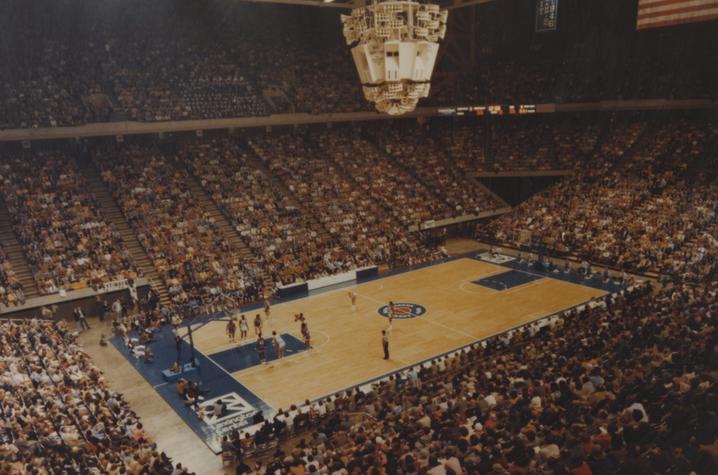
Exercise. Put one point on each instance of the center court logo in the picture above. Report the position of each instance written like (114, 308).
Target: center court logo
(403, 310)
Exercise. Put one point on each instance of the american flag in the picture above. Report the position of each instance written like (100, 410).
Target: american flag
(657, 13)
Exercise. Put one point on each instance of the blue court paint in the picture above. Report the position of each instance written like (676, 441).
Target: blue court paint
(595, 281)
(246, 356)
(242, 403)
(507, 280)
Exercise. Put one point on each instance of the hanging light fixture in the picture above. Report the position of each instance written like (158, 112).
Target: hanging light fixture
(394, 47)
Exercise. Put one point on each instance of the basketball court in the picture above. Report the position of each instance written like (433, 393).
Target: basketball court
(441, 308)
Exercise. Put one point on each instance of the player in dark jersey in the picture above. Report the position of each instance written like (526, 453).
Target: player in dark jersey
(231, 329)
(353, 298)
(305, 334)
(261, 349)
(267, 309)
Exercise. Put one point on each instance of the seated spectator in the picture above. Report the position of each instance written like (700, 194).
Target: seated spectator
(10, 287)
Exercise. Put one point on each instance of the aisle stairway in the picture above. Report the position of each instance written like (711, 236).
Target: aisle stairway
(224, 226)
(374, 141)
(281, 187)
(14, 251)
(111, 212)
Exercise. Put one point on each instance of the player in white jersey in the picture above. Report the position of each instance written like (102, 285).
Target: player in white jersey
(279, 345)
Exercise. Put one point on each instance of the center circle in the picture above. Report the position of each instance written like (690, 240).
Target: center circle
(403, 310)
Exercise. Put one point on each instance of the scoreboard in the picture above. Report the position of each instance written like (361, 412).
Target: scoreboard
(494, 109)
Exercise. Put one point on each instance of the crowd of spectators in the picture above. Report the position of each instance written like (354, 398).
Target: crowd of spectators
(321, 201)
(193, 82)
(365, 228)
(48, 94)
(288, 244)
(58, 415)
(183, 240)
(645, 201)
(155, 62)
(11, 292)
(381, 178)
(626, 385)
(314, 83)
(67, 242)
(419, 150)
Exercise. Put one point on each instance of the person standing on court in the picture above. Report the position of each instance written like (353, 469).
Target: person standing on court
(353, 298)
(83, 319)
(231, 329)
(392, 311)
(243, 327)
(385, 344)
(132, 288)
(305, 333)
(267, 308)
(79, 316)
(117, 308)
(261, 349)
(279, 344)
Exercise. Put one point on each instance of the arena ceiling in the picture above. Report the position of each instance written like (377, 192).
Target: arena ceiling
(448, 4)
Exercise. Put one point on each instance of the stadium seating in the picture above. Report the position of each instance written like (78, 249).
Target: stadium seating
(645, 202)
(199, 83)
(622, 384)
(66, 241)
(11, 292)
(418, 151)
(187, 250)
(365, 229)
(58, 414)
(117, 70)
(376, 175)
(288, 243)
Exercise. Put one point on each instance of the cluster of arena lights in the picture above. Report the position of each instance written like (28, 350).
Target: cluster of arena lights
(394, 47)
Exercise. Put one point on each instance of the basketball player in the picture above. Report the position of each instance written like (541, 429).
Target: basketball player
(267, 308)
(231, 329)
(279, 345)
(305, 334)
(257, 325)
(243, 327)
(385, 344)
(261, 350)
(353, 298)
(390, 327)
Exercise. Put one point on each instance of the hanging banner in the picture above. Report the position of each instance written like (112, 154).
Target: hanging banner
(546, 15)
